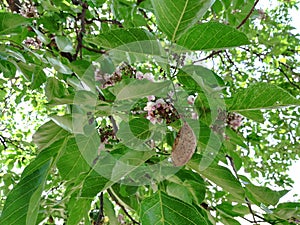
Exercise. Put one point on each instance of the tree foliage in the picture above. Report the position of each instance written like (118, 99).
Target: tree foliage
(100, 99)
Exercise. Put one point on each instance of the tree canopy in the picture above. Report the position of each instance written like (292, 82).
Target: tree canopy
(148, 112)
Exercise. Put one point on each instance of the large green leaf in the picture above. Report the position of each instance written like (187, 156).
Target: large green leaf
(288, 210)
(9, 21)
(143, 88)
(22, 204)
(221, 176)
(212, 36)
(163, 209)
(261, 96)
(72, 163)
(78, 208)
(48, 133)
(120, 37)
(175, 17)
(264, 195)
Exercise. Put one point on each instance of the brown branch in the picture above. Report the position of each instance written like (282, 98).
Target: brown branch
(116, 22)
(80, 34)
(114, 198)
(248, 15)
(209, 56)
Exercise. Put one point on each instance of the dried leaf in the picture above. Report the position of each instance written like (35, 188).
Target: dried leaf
(184, 145)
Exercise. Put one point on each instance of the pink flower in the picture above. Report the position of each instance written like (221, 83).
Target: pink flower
(149, 76)
(151, 98)
(191, 99)
(139, 75)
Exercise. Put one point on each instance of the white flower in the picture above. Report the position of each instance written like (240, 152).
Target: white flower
(151, 98)
(191, 99)
(194, 116)
(150, 106)
(149, 76)
(160, 101)
(139, 75)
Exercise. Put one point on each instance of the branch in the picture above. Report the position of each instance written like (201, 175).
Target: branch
(82, 30)
(249, 14)
(116, 22)
(114, 198)
(209, 56)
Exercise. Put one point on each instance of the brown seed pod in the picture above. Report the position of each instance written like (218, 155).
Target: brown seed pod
(184, 145)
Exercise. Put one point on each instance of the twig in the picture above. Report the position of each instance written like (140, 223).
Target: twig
(209, 56)
(232, 63)
(146, 17)
(116, 22)
(114, 198)
(248, 15)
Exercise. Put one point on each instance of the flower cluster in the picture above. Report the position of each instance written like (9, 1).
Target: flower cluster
(106, 133)
(159, 110)
(234, 120)
(124, 69)
(224, 119)
(33, 43)
(149, 76)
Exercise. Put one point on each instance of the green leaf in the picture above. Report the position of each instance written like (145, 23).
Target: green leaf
(7, 68)
(22, 204)
(264, 195)
(9, 21)
(64, 122)
(180, 191)
(59, 66)
(163, 209)
(261, 96)
(212, 36)
(92, 184)
(47, 134)
(72, 163)
(227, 209)
(55, 150)
(140, 128)
(120, 37)
(229, 221)
(78, 208)
(221, 176)
(64, 44)
(174, 18)
(186, 74)
(143, 88)
(288, 210)
(54, 88)
(109, 210)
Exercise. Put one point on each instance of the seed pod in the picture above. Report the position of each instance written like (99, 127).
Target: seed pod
(184, 145)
